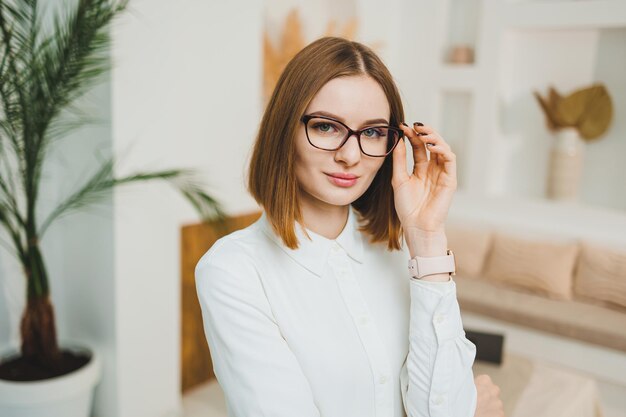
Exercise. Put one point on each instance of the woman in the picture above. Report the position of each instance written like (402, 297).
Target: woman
(311, 310)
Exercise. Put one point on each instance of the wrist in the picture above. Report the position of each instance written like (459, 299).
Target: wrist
(426, 243)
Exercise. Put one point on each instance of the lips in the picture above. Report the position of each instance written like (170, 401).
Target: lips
(342, 179)
(342, 175)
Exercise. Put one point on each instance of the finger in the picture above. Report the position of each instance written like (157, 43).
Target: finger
(399, 173)
(441, 155)
(434, 139)
(436, 144)
(419, 151)
(429, 135)
(423, 129)
(444, 157)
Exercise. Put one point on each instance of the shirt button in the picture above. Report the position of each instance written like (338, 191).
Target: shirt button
(336, 248)
(383, 379)
(438, 400)
(364, 320)
(440, 318)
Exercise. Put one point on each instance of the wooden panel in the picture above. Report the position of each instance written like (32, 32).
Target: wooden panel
(196, 239)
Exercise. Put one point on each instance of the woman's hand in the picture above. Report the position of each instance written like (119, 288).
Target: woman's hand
(488, 398)
(422, 199)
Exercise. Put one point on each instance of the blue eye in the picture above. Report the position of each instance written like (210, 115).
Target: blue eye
(372, 133)
(324, 127)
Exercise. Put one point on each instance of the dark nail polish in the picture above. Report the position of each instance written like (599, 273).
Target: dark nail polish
(405, 124)
(418, 123)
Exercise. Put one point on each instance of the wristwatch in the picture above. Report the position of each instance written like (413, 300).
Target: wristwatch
(429, 265)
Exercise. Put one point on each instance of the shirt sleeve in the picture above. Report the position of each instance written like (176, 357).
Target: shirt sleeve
(436, 378)
(258, 373)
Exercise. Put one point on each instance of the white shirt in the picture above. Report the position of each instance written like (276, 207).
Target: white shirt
(335, 328)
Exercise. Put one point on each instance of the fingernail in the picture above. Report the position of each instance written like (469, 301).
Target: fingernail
(418, 123)
(405, 124)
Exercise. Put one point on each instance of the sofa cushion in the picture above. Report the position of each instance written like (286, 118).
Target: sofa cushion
(540, 265)
(470, 245)
(579, 320)
(601, 275)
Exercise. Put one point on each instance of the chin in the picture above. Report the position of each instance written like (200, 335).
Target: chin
(342, 197)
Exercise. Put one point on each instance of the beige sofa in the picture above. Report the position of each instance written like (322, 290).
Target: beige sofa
(567, 287)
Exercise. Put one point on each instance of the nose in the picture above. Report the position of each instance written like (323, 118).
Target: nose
(350, 153)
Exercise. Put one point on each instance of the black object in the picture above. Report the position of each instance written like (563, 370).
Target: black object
(488, 345)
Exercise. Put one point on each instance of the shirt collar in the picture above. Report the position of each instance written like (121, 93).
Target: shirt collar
(312, 254)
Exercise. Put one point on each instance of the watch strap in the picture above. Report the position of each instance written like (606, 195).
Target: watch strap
(428, 265)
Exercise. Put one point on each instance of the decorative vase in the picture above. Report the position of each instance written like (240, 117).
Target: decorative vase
(566, 163)
(67, 395)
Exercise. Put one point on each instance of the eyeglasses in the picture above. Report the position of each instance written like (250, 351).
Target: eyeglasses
(330, 134)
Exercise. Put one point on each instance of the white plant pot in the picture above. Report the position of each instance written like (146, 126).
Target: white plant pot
(68, 395)
(566, 164)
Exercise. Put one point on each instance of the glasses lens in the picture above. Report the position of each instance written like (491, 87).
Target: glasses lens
(378, 141)
(325, 134)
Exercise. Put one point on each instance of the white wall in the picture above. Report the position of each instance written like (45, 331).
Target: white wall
(185, 92)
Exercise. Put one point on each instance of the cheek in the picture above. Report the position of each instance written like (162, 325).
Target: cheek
(308, 170)
(372, 171)
(309, 159)
(373, 168)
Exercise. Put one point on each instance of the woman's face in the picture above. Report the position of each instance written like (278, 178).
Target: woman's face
(353, 100)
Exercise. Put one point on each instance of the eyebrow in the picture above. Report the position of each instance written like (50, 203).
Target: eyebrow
(367, 122)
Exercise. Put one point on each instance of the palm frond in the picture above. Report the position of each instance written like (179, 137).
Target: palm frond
(41, 74)
(14, 22)
(18, 21)
(19, 249)
(9, 180)
(208, 207)
(72, 57)
(61, 127)
(10, 249)
(9, 203)
(66, 64)
(102, 181)
(91, 192)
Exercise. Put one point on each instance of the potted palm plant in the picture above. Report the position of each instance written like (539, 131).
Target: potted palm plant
(42, 73)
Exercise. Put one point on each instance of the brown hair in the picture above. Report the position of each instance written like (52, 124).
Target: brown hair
(271, 178)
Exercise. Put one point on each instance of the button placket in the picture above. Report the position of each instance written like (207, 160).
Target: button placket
(357, 306)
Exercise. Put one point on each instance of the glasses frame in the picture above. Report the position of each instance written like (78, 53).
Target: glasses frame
(305, 119)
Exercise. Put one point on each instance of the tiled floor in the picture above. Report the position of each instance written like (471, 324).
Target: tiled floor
(206, 400)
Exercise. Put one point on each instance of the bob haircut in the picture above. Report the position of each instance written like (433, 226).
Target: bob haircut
(271, 178)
